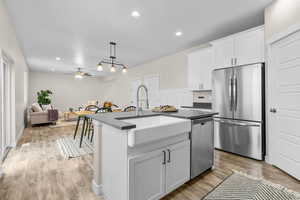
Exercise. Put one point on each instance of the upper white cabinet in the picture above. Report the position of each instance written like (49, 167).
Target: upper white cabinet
(239, 49)
(223, 52)
(249, 47)
(199, 69)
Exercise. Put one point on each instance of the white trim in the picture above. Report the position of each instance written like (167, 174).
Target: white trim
(268, 157)
(17, 138)
(290, 30)
(97, 189)
(5, 58)
(236, 34)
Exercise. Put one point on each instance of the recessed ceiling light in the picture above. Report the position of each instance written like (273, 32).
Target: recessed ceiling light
(135, 14)
(57, 58)
(178, 33)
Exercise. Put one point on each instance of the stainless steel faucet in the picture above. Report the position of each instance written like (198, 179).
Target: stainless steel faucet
(138, 107)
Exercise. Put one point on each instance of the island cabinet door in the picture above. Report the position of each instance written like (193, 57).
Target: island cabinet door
(147, 176)
(178, 165)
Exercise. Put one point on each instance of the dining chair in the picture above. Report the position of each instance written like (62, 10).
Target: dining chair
(129, 108)
(87, 125)
(100, 110)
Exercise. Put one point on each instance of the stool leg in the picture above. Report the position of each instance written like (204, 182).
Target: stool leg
(77, 125)
(90, 128)
(87, 126)
(82, 131)
(92, 136)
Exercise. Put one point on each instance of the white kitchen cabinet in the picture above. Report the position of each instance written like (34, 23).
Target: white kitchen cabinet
(249, 47)
(153, 175)
(239, 49)
(199, 69)
(178, 166)
(147, 176)
(223, 52)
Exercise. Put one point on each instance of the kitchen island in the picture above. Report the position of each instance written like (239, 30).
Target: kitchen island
(144, 156)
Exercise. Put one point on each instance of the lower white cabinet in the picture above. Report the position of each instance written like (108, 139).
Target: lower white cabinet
(153, 175)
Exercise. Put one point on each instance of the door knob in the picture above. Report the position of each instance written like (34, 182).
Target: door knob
(273, 110)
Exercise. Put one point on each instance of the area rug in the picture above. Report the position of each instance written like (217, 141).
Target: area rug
(70, 148)
(239, 186)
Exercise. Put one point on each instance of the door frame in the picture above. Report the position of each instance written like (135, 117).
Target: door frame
(270, 151)
(5, 58)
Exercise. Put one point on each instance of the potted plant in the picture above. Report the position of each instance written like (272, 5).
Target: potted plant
(44, 98)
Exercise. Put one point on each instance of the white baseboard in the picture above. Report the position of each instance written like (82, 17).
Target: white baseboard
(97, 188)
(268, 160)
(19, 136)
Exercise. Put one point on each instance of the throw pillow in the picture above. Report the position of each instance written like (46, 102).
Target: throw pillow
(47, 107)
(36, 107)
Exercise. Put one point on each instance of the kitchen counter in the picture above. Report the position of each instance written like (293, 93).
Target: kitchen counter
(114, 118)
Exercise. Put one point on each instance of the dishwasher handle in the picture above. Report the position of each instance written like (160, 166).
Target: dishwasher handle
(202, 121)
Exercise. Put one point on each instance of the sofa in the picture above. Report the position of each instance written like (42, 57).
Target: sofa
(39, 116)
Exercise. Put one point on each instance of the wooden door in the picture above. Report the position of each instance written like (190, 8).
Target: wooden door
(249, 47)
(147, 176)
(284, 99)
(223, 51)
(178, 165)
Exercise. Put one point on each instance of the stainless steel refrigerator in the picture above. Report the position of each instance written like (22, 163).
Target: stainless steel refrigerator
(238, 97)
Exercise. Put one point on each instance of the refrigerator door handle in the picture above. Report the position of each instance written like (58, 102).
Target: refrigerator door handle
(238, 123)
(234, 92)
(230, 94)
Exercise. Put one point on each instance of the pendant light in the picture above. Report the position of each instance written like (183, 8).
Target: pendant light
(112, 60)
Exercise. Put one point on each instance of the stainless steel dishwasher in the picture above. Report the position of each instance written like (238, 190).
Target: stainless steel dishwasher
(202, 146)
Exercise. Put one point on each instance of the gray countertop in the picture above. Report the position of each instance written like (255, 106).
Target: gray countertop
(115, 118)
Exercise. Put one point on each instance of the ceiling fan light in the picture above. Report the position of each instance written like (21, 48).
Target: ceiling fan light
(113, 68)
(78, 75)
(100, 67)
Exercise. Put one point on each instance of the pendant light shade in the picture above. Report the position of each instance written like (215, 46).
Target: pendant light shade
(100, 67)
(124, 70)
(113, 68)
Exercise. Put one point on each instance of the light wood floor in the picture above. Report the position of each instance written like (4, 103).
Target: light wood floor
(35, 170)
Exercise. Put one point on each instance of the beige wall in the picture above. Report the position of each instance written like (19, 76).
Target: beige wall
(70, 92)
(172, 71)
(281, 15)
(67, 91)
(9, 44)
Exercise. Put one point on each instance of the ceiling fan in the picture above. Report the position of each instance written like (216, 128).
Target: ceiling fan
(79, 74)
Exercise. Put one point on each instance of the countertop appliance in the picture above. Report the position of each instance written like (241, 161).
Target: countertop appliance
(202, 146)
(238, 97)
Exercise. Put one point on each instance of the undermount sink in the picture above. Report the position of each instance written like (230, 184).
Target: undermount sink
(149, 129)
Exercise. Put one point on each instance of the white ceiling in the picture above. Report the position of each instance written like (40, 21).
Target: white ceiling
(79, 31)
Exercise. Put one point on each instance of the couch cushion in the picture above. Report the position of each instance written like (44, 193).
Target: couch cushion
(36, 107)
